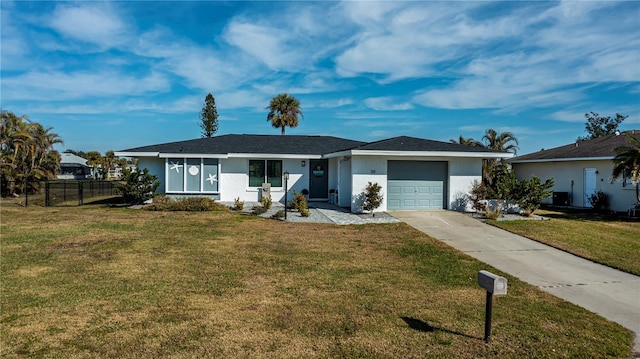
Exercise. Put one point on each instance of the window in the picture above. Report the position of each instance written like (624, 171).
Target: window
(265, 171)
(195, 175)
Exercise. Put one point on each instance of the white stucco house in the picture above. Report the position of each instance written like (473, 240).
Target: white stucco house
(414, 173)
(580, 169)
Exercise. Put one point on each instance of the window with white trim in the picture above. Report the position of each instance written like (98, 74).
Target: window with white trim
(265, 171)
(193, 175)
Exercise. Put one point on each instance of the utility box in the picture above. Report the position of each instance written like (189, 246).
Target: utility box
(494, 284)
(560, 199)
(266, 191)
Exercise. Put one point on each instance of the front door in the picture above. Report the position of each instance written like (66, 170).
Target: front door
(318, 179)
(589, 185)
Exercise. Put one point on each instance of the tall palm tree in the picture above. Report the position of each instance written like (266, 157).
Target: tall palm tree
(94, 159)
(628, 159)
(504, 141)
(283, 111)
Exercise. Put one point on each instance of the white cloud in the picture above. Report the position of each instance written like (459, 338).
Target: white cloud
(74, 85)
(387, 104)
(96, 23)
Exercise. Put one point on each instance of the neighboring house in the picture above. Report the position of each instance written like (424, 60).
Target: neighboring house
(73, 167)
(579, 170)
(414, 173)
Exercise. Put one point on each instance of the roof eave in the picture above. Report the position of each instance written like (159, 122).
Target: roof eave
(136, 154)
(432, 154)
(542, 160)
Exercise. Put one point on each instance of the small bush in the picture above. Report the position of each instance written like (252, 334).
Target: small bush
(299, 202)
(238, 205)
(266, 202)
(599, 200)
(372, 197)
(188, 204)
(493, 214)
(304, 212)
(258, 210)
(138, 186)
(278, 215)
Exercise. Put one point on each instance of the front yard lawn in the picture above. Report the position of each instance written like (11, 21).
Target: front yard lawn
(102, 283)
(602, 239)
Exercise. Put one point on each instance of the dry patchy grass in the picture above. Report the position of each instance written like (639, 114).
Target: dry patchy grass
(607, 240)
(98, 282)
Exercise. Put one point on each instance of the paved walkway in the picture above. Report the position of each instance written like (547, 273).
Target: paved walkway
(613, 294)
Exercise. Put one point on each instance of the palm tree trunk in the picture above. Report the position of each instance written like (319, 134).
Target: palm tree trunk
(282, 131)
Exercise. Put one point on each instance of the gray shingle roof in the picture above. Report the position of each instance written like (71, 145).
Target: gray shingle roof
(262, 144)
(405, 143)
(301, 145)
(601, 147)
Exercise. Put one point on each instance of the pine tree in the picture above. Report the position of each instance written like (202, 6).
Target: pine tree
(209, 117)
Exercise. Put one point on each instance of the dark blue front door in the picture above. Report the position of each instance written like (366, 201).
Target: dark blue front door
(318, 179)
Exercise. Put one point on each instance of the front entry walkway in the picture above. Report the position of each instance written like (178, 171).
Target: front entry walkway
(611, 293)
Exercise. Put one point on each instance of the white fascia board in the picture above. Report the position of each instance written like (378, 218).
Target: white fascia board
(273, 155)
(338, 154)
(136, 154)
(564, 159)
(432, 154)
(193, 155)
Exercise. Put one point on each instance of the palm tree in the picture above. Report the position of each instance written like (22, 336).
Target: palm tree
(504, 141)
(467, 142)
(94, 159)
(628, 159)
(283, 111)
(26, 150)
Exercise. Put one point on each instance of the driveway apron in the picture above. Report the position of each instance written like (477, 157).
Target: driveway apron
(613, 294)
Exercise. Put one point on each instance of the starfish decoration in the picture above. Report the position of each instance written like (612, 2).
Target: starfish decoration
(175, 166)
(212, 178)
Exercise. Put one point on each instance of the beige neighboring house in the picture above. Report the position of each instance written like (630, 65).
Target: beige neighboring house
(579, 170)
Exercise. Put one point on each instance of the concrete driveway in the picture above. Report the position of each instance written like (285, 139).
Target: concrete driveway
(611, 293)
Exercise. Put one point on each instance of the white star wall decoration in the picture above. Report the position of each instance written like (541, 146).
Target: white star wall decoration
(175, 166)
(212, 178)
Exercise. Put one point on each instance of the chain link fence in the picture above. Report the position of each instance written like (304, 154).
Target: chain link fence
(62, 192)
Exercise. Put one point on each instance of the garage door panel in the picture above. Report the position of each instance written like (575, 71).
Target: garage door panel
(416, 184)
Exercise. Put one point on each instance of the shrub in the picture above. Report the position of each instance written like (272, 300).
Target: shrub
(188, 204)
(266, 202)
(278, 215)
(258, 210)
(304, 212)
(372, 197)
(138, 186)
(238, 205)
(299, 202)
(531, 192)
(599, 200)
(493, 214)
(478, 193)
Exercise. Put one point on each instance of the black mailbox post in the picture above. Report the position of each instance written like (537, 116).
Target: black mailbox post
(495, 285)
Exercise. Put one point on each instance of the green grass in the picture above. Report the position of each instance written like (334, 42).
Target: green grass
(603, 239)
(107, 282)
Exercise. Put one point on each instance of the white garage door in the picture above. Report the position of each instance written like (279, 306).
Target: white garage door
(416, 184)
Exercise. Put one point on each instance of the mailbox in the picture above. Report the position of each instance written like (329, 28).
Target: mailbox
(494, 284)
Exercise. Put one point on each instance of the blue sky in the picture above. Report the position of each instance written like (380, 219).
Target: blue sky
(116, 75)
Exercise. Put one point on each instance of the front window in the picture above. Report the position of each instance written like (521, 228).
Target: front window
(194, 175)
(265, 171)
